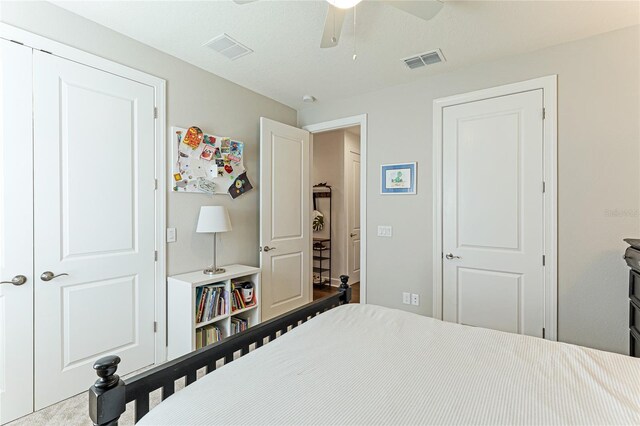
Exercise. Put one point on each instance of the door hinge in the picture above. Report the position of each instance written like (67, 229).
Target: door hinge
(543, 333)
(544, 113)
(544, 186)
(155, 326)
(155, 255)
(156, 184)
(155, 112)
(544, 260)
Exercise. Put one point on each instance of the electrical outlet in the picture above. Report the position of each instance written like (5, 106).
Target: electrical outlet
(415, 299)
(171, 235)
(406, 298)
(384, 231)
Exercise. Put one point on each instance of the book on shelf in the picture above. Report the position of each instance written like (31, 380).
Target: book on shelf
(208, 335)
(237, 299)
(238, 325)
(211, 302)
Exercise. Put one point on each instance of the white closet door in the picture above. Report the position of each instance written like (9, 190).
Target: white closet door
(94, 201)
(285, 217)
(493, 225)
(16, 232)
(352, 182)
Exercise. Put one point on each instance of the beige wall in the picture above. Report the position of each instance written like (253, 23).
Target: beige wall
(194, 97)
(328, 166)
(599, 177)
(329, 153)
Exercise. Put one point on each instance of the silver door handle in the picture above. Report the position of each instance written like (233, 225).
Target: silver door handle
(17, 280)
(267, 248)
(48, 275)
(451, 256)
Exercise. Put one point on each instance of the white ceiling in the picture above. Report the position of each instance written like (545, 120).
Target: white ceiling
(285, 35)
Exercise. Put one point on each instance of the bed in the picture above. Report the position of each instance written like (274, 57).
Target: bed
(365, 364)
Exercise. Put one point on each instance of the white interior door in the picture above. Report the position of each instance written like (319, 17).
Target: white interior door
(94, 196)
(285, 217)
(493, 229)
(353, 215)
(16, 232)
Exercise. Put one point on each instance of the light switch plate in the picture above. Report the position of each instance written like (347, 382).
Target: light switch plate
(406, 298)
(171, 235)
(384, 231)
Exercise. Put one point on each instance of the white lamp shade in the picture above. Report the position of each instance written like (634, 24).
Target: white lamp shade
(213, 219)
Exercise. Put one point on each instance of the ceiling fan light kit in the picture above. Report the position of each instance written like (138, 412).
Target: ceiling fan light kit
(337, 9)
(343, 4)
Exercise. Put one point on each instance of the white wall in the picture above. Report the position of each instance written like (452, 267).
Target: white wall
(194, 97)
(599, 177)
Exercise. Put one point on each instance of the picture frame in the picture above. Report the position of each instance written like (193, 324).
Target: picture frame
(398, 178)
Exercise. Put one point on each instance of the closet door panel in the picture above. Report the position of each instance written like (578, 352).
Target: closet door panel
(16, 232)
(95, 208)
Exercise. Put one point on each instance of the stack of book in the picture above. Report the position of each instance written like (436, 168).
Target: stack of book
(238, 325)
(211, 302)
(237, 301)
(207, 335)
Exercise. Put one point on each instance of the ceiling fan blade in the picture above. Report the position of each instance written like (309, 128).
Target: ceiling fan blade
(332, 26)
(424, 9)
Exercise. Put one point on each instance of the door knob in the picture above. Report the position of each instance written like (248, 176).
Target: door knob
(353, 234)
(267, 248)
(17, 280)
(451, 256)
(48, 276)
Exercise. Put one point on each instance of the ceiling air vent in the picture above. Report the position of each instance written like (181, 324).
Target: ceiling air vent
(228, 47)
(423, 59)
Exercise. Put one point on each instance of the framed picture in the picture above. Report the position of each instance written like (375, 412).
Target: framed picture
(398, 178)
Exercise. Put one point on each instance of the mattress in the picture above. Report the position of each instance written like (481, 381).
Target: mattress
(368, 365)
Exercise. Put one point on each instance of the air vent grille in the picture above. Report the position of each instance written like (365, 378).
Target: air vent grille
(228, 47)
(423, 59)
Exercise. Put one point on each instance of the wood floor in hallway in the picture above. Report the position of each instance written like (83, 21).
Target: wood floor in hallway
(322, 291)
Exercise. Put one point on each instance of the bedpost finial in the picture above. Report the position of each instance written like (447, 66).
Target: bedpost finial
(106, 368)
(344, 279)
(345, 289)
(107, 395)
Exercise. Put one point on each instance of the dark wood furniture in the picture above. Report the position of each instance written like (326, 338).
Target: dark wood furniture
(110, 394)
(322, 246)
(632, 256)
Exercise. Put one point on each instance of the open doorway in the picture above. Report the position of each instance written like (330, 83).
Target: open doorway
(336, 224)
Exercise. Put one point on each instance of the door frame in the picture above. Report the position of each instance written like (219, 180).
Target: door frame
(548, 84)
(34, 41)
(341, 123)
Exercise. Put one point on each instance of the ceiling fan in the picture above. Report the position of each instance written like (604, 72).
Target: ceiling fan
(337, 10)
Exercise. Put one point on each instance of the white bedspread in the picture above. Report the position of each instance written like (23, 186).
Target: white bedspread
(364, 364)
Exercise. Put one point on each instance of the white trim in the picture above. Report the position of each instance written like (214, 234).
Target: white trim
(37, 42)
(548, 85)
(341, 123)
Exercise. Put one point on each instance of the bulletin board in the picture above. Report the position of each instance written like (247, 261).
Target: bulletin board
(205, 163)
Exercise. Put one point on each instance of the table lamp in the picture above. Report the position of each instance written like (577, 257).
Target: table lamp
(213, 219)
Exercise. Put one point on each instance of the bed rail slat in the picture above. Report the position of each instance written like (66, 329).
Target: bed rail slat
(142, 406)
(109, 395)
(191, 377)
(168, 389)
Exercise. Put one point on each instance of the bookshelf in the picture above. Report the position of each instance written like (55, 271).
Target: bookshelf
(188, 318)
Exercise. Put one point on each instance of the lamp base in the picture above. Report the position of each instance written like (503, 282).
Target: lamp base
(211, 271)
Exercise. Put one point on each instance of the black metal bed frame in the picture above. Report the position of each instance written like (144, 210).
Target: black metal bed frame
(110, 394)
